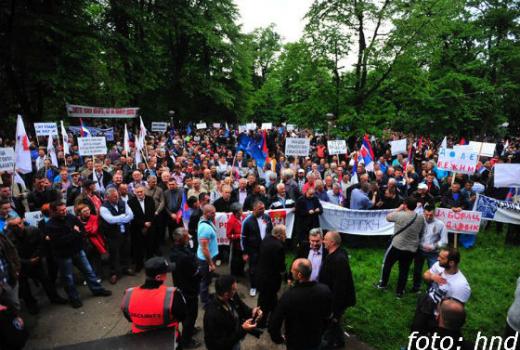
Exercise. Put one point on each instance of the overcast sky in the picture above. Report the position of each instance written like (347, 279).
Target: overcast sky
(287, 15)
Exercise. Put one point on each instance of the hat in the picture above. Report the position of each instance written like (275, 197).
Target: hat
(157, 266)
(301, 171)
(88, 183)
(75, 173)
(422, 186)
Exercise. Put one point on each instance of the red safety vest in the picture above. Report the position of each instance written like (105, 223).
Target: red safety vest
(149, 308)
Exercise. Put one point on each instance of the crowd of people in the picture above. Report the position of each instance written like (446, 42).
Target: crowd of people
(110, 217)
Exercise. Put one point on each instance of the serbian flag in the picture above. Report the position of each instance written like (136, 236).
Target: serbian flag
(84, 132)
(186, 211)
(367, 154)
(463, 141)
(22, 151)
(511, 194)
(353, 177)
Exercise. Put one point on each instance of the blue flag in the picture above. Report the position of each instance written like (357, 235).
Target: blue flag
(253, 146)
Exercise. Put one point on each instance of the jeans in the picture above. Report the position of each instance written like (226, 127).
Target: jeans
(205, 281)
(420, 257)
(66, 269)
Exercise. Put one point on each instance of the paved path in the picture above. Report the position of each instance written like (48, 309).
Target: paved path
(59, 325)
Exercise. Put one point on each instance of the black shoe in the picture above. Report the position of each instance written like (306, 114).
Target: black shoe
(102, 293)
(76, 303)
(192, 344)
(379, 286)
(58, 300)
(33, 309)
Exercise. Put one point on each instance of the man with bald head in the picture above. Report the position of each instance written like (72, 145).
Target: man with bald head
(336, 274)
(207, 249)
(305, 309)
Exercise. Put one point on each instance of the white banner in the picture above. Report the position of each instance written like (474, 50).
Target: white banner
(295, 146)
(46, 129)
(398, 146)
(278, 217)
(485, 149)
(91, 146)
(507, 175)
(33, 217)
(77, 111)
(291, 127)
(496, 210)
(201, 126)
(216, 125)
(356, 222)
(242, 128)
(251, 126)
(267, 126)
(337, 147)
(7, 159)
(159, 126)
(461, 222)
(457, 160)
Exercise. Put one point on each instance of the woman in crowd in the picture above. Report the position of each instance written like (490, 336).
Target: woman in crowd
(233, 232)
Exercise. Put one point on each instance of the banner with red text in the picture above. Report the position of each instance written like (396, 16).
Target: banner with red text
(76, 111)
(461, 222)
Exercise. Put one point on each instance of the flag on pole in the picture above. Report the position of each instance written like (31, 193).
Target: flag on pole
(353, 177)
(84, 132)
(506, 146)
(22, 151)
(126, 142)
(444, 143)
(142, 134)
(65, 138)
(51, 151)
(367, 154)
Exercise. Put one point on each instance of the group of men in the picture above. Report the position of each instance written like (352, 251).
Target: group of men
(109, 217)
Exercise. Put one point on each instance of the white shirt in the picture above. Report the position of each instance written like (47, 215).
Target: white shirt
(456, 287)
(315, 257)
(39, 163)
(434, 234)
(242, 196)
(262, 225)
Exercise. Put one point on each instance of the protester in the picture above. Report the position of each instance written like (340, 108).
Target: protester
(307, 211)
(314, 251)
(207, 250)
(234, 234)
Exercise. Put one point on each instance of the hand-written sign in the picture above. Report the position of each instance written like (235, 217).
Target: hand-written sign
(159, 126)
(91, 146)
(398, 146)
(459, 222)
(337, 147)
(242, 128)
(267, 126)
(291, 127)
(7, 159)
(457, 160)
(46, 129)
(201, 126)
(295, 146)
(485, 149)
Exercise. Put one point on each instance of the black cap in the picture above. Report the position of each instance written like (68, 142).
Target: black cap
(88, 182)
(157, 266)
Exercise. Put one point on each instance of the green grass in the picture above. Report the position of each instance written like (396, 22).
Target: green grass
(382, 321)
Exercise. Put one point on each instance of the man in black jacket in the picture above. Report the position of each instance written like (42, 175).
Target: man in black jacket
(186, 277)
(307, 212)
(66, 234)
(223, 204)
(142, 239)
(305, 308)
(228, 319)
(314, 251)
(270, 271)
(101, 177)
(336, 274)
(254, 229)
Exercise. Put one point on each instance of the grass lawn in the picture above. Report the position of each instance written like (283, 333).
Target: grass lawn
(382, 321)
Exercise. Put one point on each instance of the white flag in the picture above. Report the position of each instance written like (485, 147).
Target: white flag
(138, 156)
(126, 142)
(22, 151)
(444, 143)
(51, 151)
(142, 135)
(65, 138)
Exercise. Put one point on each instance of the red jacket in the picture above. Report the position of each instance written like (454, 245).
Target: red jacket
(234, 229)
(92, 228)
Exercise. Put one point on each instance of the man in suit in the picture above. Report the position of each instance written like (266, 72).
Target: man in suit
(172, 206)
(254, 229)
(143, 207)
(336, 274)
(307, 211)
(101, 177)
(270, 271)
(314, 251)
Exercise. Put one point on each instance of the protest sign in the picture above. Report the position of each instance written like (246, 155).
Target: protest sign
(356, 222)
(159, 126)
(291, 127)
(251, 126)
(337, 147)
(46, 129)
(77, 111)
(242, 128)
(485, 149)
(457, 160)
(33, 217)
(295, 146)
(398, 146)
(507, 175)
(91, 146)
(7, 159)
(216, 125)
(201, 126)
(108, 132)
(459, 222)
(497, 210)
(267, 126)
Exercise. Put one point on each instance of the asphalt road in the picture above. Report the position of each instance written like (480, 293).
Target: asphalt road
(99, 318)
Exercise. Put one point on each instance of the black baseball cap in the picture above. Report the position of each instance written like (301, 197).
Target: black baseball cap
(157, 266)
(88, 183)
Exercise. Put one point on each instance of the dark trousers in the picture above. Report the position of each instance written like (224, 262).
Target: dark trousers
(192, 310)
(205, 281)
(253, 262)
(418, 260)
(424, 319)
(236, 264)
(119, 250)
(267, 301)
(37, 273)
(158, 228)
(334, 335)
(404, 258)
(142, 245)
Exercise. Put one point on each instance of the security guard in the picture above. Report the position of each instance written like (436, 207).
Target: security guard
(154, 305)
